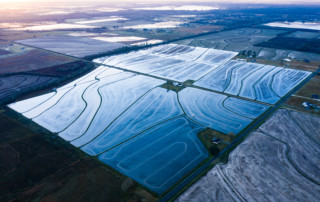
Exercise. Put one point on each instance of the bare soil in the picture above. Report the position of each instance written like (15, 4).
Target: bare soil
(31, 60)
(39, 166)
(277, 162)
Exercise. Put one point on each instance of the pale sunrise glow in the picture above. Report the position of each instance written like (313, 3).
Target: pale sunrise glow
(171, 1)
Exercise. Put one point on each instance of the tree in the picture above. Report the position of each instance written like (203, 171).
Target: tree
(254, 54)
(214, 150)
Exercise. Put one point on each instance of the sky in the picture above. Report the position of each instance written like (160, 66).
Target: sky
(171, 1)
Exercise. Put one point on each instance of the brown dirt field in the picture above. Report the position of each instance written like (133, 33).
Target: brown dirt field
(296, 104)
(311, 66)
(64, 70)
(310, 88)
(304, 95)
(32, 60)
(276, 162)
(13, 85)
(37, 82)
(40, 166)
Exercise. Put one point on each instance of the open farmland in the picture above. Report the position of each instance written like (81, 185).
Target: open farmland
(280, 157)
(247, 39)
(234, 40)
(253, 81)
(25, 69)
(306, 94)
(138, 101)
(109, 112)
(11, 85)
(175, 62)
(55, 170)
(74, 46)
(214, 68)
(22, 59)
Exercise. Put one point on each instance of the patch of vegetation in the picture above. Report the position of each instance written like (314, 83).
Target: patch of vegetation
(174, 86)
(208, 135)
(188, 83)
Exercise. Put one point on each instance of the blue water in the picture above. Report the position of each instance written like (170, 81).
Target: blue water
(161, 156)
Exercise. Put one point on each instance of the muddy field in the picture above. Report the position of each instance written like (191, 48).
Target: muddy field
(40, 166)
(17, 85)
(277, 162)
(31, 60)
(12, 85)
(64, 70)
(305, 94)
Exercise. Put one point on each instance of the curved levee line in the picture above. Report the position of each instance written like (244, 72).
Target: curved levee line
(180, 154)
(133, 153)
(288, 151)
(76, 81)
(229, 183)
(201, 55)
(157, 182)
(116, 117)
(15, 85)
(230, 76)
(217, 117)
(201, 153)
(271, 88)
(146, 86)
(302, 129)
(96, 110)
(296, 82)
(39, 104)
(255, 83)
(86, 103)
(155, 107)
(54, 103)
(257, 69)
(245, 70)
(203, 81)
(33, 116)
(184, 112)
(30, 84)
(233, 111)
(59, 116)
(269, 84)
(137, 133)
